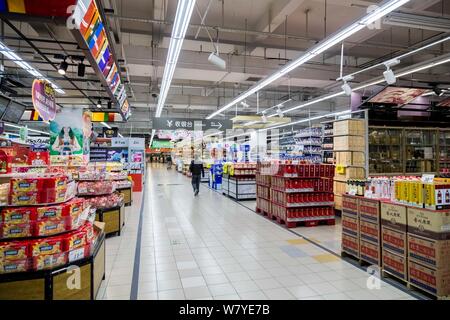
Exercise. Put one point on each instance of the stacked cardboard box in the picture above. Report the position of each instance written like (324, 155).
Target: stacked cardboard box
(349, 146)
(370, 230)
(350, 225)
(429, 250)
(393, 239)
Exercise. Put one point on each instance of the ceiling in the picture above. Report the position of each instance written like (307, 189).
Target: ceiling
(255, 37)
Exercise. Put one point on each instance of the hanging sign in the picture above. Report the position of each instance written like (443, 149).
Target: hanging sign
(43, 96)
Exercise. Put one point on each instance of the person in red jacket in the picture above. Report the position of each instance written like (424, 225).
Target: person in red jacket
(196, 168)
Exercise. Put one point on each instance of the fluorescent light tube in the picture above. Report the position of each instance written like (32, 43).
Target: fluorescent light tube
(321, 47)
(10, 54)
(182, 18)
(20, 127)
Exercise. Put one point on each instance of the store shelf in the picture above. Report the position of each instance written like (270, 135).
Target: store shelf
(305, 205)
(310, 219)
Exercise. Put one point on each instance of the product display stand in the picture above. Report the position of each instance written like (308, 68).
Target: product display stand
(52, 284)
(299, 194)
(127, 194)
(239, 182)
(114, 219)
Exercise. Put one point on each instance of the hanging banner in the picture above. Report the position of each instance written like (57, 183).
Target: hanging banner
(43, 97)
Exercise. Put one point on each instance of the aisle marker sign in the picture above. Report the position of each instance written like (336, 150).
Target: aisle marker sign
(190, 124)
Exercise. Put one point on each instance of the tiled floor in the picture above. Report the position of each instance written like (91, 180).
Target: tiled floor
(210, 247)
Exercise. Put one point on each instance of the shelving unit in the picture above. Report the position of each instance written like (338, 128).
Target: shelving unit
(309, 141)
(328, 143)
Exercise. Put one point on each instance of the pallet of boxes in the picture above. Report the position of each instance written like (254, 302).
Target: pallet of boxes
(349, 149)
(361, 229)
(416, 236)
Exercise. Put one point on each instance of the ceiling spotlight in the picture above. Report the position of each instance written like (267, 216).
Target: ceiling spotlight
(245, 104)
(389, 75)
(81, 69)
(217, 61)
(62, 69)
(280, 112)
(346, 87)
(99, 103)
(264, 117)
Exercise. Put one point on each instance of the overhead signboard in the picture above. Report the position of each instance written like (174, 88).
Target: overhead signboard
(190, 124)
(90, 32)
(43, 97)
(162, 144)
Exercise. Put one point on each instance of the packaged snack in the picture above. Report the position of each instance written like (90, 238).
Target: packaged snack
(49, 227)
(4, 194)
(51, 212)
(14, 250)
(24, 185)
(10, 266)
(18, 215)
(54, 196)
(25, 198)
(15, 230)
(58, 183)
(75, 206)
(88, 229)
(74, 240)
(49, 261)
(46, 246)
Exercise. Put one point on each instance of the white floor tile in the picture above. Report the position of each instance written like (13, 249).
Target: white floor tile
(176, 294)
(301, 292)
(222, 289)
(215, 279)
(253, 295)
(193, 282)
(279, 294)
(245, 286)
(197, 293)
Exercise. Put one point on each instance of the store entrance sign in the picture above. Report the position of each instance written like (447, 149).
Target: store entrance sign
(190, 124)
(43, 97)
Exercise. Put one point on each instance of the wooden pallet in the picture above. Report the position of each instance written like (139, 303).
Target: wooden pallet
(312, 223)
(389, 275)
(413, 287)
(262, 212)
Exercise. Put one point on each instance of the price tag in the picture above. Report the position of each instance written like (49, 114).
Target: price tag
(76, 254)
(428, 178)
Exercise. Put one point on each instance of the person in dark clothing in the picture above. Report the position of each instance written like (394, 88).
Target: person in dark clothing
(169, 162)
(196, 168)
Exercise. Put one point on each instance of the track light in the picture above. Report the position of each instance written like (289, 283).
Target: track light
(389, 75)
(62, 69)
(264, 117)
(99, 104)
(280, 112)
(245, 104)
(346, 87)
(81, 69)
(217, 61)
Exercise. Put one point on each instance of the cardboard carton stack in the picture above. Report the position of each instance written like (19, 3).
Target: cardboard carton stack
(429, 250)
(349, 147)
(394, 239)
(370, 230)
(350, 225)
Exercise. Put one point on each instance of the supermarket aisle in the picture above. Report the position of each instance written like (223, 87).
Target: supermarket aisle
(210, 247)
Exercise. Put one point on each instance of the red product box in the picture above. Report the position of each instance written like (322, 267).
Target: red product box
(316, 170)
(434, 281)
(48, 246)
(25, 185)
(74, 240)
(24, 198)
(14, 250)
(350, 245)
(39, 158)
(322, 170)
(48, 227)
(394, 240)
(370, 232)
(301, 170)
(56, 183)
(18, 215)
(350, 225)
(306, 170)
(50, 212)
(11, 266)
(15, 230)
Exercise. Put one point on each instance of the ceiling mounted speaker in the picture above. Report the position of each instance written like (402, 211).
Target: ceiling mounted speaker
(217, 61)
